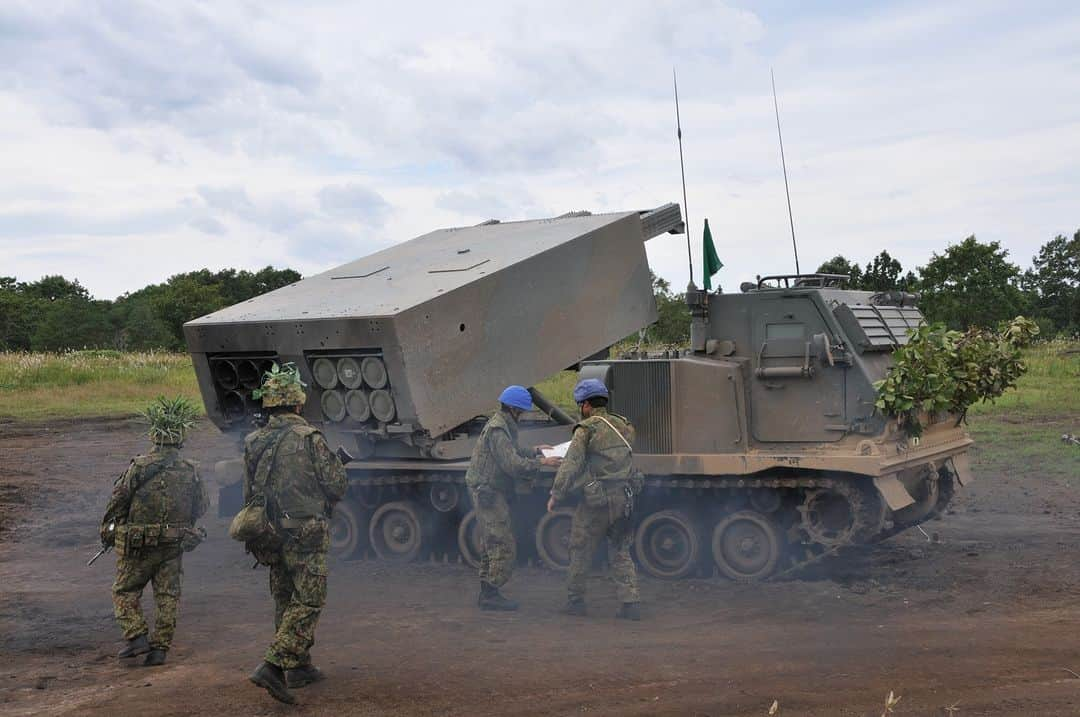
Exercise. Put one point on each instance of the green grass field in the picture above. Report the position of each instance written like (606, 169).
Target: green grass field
(1051, 386)
(111, 383)
(83, 384)
(1022, 430)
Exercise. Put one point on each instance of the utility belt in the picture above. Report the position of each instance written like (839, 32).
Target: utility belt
(133, 538)
(308, 533)
(294, 523)
(484, 494)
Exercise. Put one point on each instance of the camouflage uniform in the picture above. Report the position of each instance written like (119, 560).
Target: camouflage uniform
(496, 462)
(597, 454)
(158, 496)
(305, 481)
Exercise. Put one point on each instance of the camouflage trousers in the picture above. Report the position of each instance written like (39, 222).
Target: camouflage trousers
(162, 567)
(588, 528)
(298, 586)
(497, 544)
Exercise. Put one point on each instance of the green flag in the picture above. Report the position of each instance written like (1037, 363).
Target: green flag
(712, 261)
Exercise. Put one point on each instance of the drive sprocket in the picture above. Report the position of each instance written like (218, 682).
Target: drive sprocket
(838, 513)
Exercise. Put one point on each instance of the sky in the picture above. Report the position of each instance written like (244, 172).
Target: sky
(140, 140)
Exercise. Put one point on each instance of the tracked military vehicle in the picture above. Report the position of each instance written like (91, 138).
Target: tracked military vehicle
(761, 444)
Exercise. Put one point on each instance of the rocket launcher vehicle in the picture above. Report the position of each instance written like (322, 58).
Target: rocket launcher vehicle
(404, 348)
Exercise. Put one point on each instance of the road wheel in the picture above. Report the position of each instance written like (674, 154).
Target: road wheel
(396, 532)
(553, 538)
(348, 529)
(746, 546)
(468, 539)
(667, 545)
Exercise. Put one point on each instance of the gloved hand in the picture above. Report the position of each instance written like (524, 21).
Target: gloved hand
(192, 538)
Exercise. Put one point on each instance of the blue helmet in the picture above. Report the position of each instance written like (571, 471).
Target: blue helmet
(517, 397)
(589, 388)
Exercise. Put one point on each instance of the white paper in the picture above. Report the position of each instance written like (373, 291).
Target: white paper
(558, 451)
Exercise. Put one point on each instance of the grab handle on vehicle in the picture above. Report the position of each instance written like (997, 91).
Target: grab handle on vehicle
(804, 371)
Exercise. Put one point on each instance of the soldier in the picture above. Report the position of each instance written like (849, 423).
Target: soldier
(497, 462)
(599, 469)
(150, 521)
(289, 463)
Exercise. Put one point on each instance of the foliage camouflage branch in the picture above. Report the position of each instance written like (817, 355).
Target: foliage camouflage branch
(943, 370)
(281, 386)
(170, 419)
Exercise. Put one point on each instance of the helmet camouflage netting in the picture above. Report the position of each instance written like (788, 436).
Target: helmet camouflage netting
(170, 419)
(281, 386)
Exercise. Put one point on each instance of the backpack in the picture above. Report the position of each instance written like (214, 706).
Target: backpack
(253, 524)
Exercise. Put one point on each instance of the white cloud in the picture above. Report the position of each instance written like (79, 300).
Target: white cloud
(354, 201)
(145, 139)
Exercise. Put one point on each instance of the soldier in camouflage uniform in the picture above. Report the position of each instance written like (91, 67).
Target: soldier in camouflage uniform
(303, 481)
(150, 521)
(497, 462)
(599, 470)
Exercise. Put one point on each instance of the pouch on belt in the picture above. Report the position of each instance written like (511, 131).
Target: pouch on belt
(595, 496)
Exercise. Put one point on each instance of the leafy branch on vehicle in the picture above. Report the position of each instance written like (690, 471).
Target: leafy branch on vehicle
(940, 370)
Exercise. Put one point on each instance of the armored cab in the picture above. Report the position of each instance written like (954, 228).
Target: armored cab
(760, 443)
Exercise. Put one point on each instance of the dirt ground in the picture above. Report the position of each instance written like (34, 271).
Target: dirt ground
(986, 621)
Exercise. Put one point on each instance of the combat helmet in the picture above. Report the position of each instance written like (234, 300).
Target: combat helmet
(169, 419)
(516, 397)
(281, 386)
(589, 388)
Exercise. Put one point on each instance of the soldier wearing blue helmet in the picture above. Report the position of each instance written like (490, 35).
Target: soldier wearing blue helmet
(589, 388)
(599, 471)
(497, 463)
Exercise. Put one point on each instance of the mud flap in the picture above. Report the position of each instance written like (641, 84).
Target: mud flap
(960, 466)
(893, 491)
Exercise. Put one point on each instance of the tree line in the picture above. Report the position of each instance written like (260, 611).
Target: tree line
(970, 284)
(56, 314)
(974, 284)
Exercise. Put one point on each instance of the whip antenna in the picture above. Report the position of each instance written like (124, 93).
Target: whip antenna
(682, 168)
(783, 164)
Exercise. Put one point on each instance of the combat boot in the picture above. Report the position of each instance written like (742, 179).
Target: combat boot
(154, 658)
(303, 676)
(135, 646)
(629, 611)
(491, 599)
(575, 608)
(272, 678)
